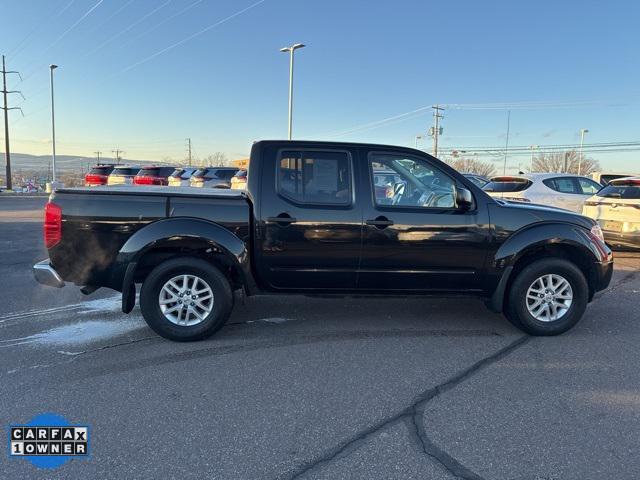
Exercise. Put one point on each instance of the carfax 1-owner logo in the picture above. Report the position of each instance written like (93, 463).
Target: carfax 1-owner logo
(48, 441)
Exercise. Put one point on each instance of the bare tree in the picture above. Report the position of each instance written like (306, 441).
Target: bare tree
(472, 165)
(217, 159)
(564, 162)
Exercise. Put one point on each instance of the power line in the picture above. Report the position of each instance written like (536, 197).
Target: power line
(190, 37)
(122, 32)
(47, 20)
(168, 19)
(65, 33)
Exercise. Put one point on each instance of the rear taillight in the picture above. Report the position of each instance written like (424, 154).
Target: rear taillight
(149, 180)
(95, 179)
(52, 225)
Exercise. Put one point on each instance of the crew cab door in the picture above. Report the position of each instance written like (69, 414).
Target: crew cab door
(414, 235)
(310, 228)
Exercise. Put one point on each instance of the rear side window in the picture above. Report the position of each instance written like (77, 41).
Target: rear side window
(625, 190)
(507, 184)
(562, 185)
(315, 177)
(126, 171)
(101, 170)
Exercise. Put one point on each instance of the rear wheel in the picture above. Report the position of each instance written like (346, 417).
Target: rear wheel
(186, 299)
(548, 297)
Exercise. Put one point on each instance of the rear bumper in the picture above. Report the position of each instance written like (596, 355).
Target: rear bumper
(45, 274)
(625, 240)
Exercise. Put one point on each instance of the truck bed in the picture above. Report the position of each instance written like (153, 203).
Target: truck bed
(97, 221)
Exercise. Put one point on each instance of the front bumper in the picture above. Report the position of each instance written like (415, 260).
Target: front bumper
(45, 274)
(603, 274)
(624, 240)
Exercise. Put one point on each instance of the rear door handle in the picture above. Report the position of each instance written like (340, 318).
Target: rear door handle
(380, 222)
(282, 219)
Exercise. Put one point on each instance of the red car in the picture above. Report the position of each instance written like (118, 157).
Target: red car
(98, 175)
(153, 175)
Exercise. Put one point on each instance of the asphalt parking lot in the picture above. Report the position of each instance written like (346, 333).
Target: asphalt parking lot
(320, 388)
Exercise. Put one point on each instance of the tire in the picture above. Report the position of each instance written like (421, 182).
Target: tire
(202, 319)
(520, 308)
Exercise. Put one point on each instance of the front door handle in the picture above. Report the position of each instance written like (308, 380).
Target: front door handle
(282, 219)
(380, 222)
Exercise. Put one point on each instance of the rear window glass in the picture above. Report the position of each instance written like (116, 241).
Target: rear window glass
(507, 184)
(102, 170)
(178, 172)
(605, 179)
(628, 190)
(156, 171)
(241, 174)
(126, 171)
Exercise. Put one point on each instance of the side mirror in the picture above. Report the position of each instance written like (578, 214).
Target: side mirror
(464, 198)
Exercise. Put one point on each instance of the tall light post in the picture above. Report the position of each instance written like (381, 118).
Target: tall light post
(291, 50)
(53, 129)
(418, 137)
(582, 132)
(532, 147)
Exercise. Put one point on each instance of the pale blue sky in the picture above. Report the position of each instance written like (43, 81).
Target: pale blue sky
(119, 85)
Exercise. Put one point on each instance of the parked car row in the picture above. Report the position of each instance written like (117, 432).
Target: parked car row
(615, 204)
(211, 177)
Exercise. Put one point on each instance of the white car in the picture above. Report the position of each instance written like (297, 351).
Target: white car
(555, 189)
(617, 209)
(181, 176)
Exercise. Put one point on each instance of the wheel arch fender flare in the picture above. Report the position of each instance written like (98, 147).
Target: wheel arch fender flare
(174, 231)
(529, 239)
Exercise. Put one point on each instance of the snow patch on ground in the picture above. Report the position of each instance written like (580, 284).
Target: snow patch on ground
(111, 304)
(78, 333)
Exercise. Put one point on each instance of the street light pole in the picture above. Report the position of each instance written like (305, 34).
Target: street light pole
(53, 127)
(291, 50)
(418, 137)
(582, 132)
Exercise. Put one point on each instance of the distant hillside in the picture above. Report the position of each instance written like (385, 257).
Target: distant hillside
(64, 163)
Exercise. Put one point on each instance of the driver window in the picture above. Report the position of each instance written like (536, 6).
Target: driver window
(409, 182)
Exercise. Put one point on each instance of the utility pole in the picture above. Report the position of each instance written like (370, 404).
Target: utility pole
(506, 146)
(532, 147)
(436, 130)
(189, 147)
(98, 153)
(6, 108)
(117, 153)
(580, 158)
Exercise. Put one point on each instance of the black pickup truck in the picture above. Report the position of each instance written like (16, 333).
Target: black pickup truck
(318, 218)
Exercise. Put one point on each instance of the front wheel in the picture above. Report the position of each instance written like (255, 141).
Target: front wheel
(186, 299)
(548, 297)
